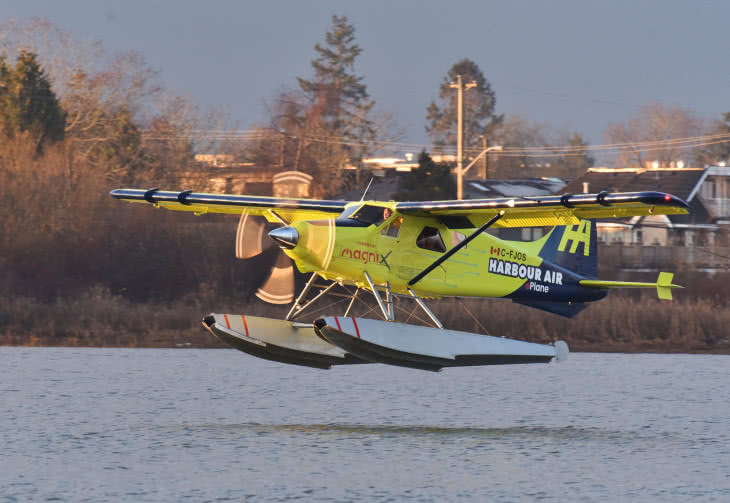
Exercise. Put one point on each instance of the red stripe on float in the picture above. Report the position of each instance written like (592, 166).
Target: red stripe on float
(338, 324)
(357, 330)
(245, 325)
(226, 318)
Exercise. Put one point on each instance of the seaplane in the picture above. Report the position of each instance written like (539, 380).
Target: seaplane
(420, 251)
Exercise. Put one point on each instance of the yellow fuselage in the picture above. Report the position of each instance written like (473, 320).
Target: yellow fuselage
(345, 253)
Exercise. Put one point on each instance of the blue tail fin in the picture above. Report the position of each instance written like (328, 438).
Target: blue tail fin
(574, 247)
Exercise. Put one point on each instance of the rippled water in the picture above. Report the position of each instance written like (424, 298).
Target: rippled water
(216, 425)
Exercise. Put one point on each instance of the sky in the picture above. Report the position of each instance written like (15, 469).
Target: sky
(578, 65)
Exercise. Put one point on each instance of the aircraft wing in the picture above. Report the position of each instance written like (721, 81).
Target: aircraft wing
(274, 209)
(547, 211)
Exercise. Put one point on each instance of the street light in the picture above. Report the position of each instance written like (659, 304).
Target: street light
(461, 171)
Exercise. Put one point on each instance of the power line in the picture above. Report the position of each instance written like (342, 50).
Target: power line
(533, 151)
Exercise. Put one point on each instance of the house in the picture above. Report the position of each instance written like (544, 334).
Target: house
(706, 190)
(694, 239)
(217, 173)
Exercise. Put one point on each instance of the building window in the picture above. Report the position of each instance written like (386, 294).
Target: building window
(430, 239)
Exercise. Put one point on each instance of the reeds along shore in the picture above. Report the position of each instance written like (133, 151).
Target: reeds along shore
(624, 323)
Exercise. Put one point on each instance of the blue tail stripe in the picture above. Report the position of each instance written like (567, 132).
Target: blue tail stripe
(577, 261)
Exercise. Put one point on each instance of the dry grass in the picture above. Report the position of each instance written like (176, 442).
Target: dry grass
(618, 323)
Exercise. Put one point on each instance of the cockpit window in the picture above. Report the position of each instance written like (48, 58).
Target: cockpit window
(430, 239)
(371, 214)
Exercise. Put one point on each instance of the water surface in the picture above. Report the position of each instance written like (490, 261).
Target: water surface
(217, 425)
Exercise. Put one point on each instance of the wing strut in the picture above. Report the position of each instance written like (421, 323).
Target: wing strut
(455, 249)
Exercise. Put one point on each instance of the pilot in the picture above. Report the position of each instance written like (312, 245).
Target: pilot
(386, 213)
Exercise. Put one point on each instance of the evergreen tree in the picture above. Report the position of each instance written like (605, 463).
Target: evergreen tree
(27, 102)
(479, 103)
(430, 182)
(337, 93)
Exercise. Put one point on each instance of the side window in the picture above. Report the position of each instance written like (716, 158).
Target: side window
(393, 229)
(430, 239)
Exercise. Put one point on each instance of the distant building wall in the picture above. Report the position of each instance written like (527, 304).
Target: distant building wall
(292, 184)
(714, 192)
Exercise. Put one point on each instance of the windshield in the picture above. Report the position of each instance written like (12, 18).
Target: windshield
(349, 211)
(372, 214)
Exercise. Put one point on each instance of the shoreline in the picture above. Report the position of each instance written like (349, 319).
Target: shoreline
(576, 347)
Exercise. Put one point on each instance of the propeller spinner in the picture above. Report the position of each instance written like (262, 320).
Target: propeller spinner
(287, 237)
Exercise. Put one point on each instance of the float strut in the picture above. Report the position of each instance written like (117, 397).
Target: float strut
(425, 308)
(352, 302)
(389, 301)
(297, 302)
(376, 294)
(305, 306)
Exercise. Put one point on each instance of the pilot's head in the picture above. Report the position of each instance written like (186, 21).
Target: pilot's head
(386, 213)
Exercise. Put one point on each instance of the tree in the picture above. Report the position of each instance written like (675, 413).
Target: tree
(720, 151)
(103, 113)
(430, 182)
(336, 87)
(339, 104)
(517, 132)
(172, 140)
(27, 101)
(479, 103)
(656, 122)
(576, 159)
(101, 97)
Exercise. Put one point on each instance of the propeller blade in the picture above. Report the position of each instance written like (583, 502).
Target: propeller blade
(279, 287)
(249, 237)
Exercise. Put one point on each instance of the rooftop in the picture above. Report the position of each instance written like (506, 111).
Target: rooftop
(679, 182)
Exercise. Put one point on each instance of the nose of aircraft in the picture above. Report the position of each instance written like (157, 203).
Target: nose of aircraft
(287, 237)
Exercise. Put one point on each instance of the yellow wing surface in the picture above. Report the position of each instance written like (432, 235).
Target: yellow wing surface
(547, 211)
(567, 209)
(274, 209)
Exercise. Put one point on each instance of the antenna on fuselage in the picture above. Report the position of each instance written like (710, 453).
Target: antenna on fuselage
(366, 188)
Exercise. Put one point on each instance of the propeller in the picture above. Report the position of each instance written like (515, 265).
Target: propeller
(279, 286)
(249, 237)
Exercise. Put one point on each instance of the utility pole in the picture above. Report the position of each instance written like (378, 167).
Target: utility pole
(460, 133)
(485, 162)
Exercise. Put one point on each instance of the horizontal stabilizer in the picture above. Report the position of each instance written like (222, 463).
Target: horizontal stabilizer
(663, 285)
